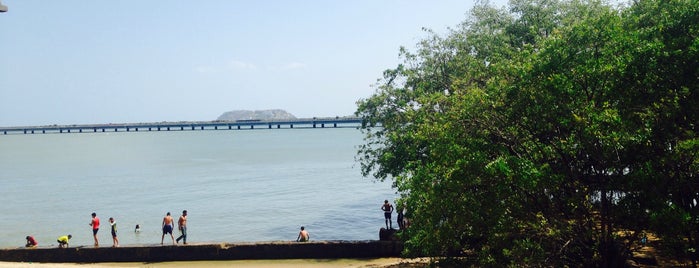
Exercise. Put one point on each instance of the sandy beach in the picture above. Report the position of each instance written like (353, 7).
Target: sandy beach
(314, 263)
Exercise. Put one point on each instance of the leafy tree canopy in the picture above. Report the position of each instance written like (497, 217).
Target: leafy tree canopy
(533, 134)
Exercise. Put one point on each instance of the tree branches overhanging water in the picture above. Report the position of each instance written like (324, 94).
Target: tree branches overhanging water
(534, 134)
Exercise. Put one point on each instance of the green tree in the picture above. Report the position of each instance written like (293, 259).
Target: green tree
(532, 136)
(661, 104)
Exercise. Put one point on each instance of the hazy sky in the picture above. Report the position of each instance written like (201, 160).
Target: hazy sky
(77, 62)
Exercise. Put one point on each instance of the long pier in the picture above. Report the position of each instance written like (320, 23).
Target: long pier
(330, 122)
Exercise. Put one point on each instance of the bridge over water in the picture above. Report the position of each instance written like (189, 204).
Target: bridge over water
(332, 122)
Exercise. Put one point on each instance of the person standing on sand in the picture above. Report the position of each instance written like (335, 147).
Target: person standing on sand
(95, 223)
(115, 240)
(167, 228)
(182, 225)
(304, 236)
(387, 210)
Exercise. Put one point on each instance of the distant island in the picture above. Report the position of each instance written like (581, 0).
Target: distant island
(262, 115)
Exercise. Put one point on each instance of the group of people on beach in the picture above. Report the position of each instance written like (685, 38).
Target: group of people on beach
(167, 227)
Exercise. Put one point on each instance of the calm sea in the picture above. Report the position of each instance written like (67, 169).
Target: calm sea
(237, 186)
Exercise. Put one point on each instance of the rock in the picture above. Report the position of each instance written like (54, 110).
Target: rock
(387, 234)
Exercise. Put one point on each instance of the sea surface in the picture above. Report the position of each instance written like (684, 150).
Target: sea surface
(237, 186)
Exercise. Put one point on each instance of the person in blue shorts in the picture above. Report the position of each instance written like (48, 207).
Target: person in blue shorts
(167, 228)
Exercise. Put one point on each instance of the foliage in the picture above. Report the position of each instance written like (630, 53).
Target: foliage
(529, 135)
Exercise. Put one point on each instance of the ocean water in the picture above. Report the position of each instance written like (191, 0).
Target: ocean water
(237, 186)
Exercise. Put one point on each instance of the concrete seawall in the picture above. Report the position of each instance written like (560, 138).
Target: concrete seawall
(196, 252)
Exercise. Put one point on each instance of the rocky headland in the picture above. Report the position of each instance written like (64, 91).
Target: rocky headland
(262, 115)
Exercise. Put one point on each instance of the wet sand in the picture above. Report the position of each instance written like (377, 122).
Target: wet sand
(313, 263)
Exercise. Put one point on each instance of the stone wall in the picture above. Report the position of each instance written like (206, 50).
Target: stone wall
(194, 252)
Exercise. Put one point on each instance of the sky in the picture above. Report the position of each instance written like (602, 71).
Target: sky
(92, 62)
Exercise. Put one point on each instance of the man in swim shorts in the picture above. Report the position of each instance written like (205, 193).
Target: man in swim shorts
(167, 228)
(387, 210)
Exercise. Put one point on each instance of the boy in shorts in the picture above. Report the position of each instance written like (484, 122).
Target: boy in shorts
(115, 240)
(63, 241)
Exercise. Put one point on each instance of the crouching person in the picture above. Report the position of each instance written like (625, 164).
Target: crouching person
(63, 241)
